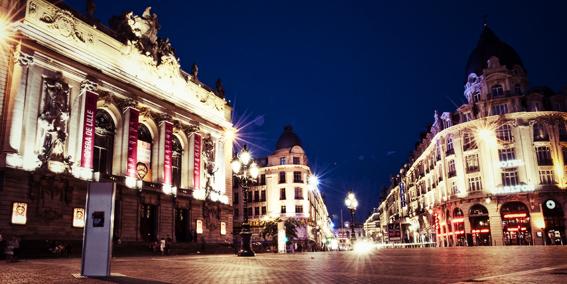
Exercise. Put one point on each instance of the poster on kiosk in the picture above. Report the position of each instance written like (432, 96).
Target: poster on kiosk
(97, 234)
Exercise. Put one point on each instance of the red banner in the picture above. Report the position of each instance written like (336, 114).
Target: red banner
(168, 150)
(88, 130)
(197, 162)
(132, 143)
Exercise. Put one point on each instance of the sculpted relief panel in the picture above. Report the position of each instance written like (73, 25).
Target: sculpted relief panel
(134, 51)
(52, 121)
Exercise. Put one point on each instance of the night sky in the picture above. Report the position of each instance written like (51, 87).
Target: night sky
(358, 80)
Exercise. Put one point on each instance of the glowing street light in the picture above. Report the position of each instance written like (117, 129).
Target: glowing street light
(351, 203)
(245, 171)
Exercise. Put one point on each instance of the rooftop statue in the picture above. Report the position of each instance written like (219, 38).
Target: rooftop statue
(141, 32)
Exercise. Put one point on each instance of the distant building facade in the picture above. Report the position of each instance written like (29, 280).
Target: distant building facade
(286, 189)
(490, 173)
(82, 102)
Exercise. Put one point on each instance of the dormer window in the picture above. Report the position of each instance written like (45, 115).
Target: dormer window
(517, 89)
(497, 91)
(282, 161)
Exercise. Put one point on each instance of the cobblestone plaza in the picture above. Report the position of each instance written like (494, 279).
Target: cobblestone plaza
(420, 265)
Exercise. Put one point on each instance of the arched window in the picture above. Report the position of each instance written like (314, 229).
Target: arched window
(104, 142)
(518, 89)
(450, 149)
(540, 133)
(176, 159)
(504, 133)
(497, 91)
(144, 165)
(468, 141)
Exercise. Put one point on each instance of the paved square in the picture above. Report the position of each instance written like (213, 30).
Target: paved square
(426, 265)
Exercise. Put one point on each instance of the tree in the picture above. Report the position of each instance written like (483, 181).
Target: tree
(271, 229)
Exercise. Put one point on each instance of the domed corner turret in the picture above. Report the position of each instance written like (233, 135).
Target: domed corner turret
(288, 139)
(491, 50)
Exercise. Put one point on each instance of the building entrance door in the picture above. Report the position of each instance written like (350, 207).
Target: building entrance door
(181, 224)
(516, 224)
(554, 223)
(480, 226)
(148, 223)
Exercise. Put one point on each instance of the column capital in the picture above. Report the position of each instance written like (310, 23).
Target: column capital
(89, 84)
(24, 59)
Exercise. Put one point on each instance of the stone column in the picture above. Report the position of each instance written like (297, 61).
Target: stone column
(14, 103)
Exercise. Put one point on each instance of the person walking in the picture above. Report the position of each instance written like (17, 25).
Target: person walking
(162, 246)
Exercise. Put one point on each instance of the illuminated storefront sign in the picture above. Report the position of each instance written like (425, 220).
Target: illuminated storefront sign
(199, 226)
(515, 189)
(19, 213)
(78, 217)
(510, 163)
(223, 228)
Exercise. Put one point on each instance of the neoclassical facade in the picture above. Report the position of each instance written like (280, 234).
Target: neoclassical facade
(490, 173)
(286, 188)
(83, 102)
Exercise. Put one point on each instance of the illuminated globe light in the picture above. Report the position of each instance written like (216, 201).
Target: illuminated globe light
(245, 157)
(254, 171)
(236, 166)
(351, 201)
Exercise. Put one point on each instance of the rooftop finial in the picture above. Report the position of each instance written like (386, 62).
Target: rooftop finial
(485, 20)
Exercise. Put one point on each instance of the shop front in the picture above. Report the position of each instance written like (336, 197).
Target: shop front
(480, 226)
(516, 224)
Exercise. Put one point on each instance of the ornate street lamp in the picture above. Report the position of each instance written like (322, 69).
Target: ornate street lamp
(245, 171)
(351, 203)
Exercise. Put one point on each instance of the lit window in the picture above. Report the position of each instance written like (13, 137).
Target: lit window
(454, 188)
(475, 184)
(540, 133)
(497, 91)
(450, 149)
(452, 170)
(510, 178)
(104, 142)
(282, 161)
(546, 177)
(507, 154)
(144, 165)
(472, 163)
(298, 208)
(296, 160)
(504, 133)
(297, 177)
(468, 142)
(298, 193)
(499, 109)
(176, 158)
(543, 156)
(283, 209)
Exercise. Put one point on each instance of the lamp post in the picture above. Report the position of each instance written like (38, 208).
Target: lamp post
(351, 203)
(245, 171)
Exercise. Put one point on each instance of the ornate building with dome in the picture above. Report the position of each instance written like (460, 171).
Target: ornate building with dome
(490, 173)
(286, 188)
(82, 102)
